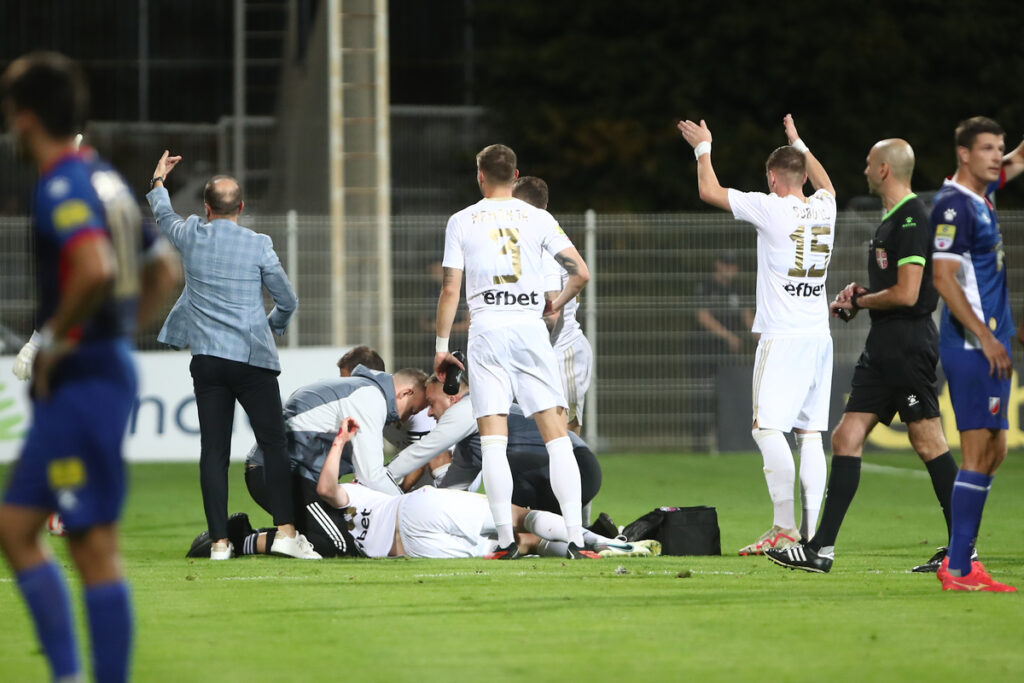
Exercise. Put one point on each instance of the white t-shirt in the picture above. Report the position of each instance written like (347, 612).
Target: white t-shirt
(373, 516)
(555, 277)
(794, 246)
(499, 243)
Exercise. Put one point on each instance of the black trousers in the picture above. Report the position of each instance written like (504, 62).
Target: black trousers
(531, 477)
(217, 383)
(323, 525)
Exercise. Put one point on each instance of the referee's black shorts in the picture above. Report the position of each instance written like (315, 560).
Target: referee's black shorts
(896, 371)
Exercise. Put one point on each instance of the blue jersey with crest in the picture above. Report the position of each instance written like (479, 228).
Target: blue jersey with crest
(967, 229)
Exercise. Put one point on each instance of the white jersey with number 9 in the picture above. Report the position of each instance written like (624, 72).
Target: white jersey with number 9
(499, 244)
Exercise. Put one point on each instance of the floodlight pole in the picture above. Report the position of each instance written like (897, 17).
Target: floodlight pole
(238, 157)
(336, 167)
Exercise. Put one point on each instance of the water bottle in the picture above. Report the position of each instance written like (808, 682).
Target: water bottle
(453, 376)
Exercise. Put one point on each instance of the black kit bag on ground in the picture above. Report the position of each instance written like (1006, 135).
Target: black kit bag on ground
(681, 531)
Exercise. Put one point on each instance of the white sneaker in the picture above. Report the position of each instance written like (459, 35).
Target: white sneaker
(775, 538)
(296, 546)
(222, 550)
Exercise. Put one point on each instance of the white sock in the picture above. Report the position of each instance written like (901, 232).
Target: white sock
(498, 482)
(438, 473)
(812, 480)
(590, 539)
(565, 484)
(779, 473)
(548, 548)
(545, 524)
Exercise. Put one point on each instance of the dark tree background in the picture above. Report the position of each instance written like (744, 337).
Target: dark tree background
(588, 93)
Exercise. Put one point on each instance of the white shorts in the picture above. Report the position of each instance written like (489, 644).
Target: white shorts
(517, 362)
(575, 365)
(443, 523)
(793, 382)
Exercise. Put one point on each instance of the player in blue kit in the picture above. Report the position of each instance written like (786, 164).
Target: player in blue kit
(88, 234)
(975, 334)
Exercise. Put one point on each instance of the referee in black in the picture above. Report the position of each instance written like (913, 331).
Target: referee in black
(896, 371)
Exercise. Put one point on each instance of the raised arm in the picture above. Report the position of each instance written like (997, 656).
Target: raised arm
(699, 137)
(1013, 163)
(171, 224)
(327, 486)
(815, 171)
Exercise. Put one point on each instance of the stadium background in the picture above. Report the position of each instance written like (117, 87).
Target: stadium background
(586, 94)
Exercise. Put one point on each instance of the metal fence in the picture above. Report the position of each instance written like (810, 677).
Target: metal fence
(656, 364)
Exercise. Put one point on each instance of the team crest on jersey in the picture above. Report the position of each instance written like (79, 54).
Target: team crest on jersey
(993, 405)
(944, 234)
(58, 187)
(882, 258)
(949, 214)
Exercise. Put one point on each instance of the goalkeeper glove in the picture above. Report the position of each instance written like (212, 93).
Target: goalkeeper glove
(23, 363)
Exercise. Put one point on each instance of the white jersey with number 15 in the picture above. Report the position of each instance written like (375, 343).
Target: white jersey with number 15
(794, 246)
(499, 243)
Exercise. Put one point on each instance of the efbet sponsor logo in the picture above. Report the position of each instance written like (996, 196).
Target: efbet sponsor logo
(804, 290)
(493, 298)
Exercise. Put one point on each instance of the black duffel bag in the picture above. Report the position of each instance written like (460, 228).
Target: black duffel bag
(681, 531)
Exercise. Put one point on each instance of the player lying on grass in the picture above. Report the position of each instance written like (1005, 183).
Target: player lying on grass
(446, 523)
(456, 430)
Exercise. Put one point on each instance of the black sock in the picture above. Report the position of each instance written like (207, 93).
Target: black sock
(248, 546)
(842, 486)
(271, 532)
(943, 471)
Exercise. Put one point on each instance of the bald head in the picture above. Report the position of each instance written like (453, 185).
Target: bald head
(899, 155)
(890, 167)
(223, 196)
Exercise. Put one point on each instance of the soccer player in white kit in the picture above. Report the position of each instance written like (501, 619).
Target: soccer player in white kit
(793, 364)
(498, 242)
(573, 352)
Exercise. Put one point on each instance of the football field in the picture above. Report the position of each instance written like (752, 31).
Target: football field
(665, 619)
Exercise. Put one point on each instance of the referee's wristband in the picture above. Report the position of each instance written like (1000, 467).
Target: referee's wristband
(800, 146)
(701, 149)
(441, 344)
(853, 300)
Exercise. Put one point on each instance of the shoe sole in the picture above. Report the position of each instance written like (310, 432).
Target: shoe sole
(809, 570)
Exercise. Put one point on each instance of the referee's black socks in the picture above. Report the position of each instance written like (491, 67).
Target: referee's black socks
(943, 471)
(842, 486)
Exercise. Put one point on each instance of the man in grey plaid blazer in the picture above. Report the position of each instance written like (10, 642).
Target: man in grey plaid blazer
(220, 316)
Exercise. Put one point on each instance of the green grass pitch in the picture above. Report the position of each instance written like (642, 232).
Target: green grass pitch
(664, 619)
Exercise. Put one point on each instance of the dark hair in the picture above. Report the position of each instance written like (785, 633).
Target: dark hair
(225, 201)
(788, 160)
(498, 163)
(968, 131)
(532, 190)
(361, 355)
(51, 86)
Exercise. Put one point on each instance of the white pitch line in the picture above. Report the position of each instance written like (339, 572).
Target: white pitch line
(889, 469)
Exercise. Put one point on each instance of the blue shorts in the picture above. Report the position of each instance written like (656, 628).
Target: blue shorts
(71, 460)
(979, 400)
